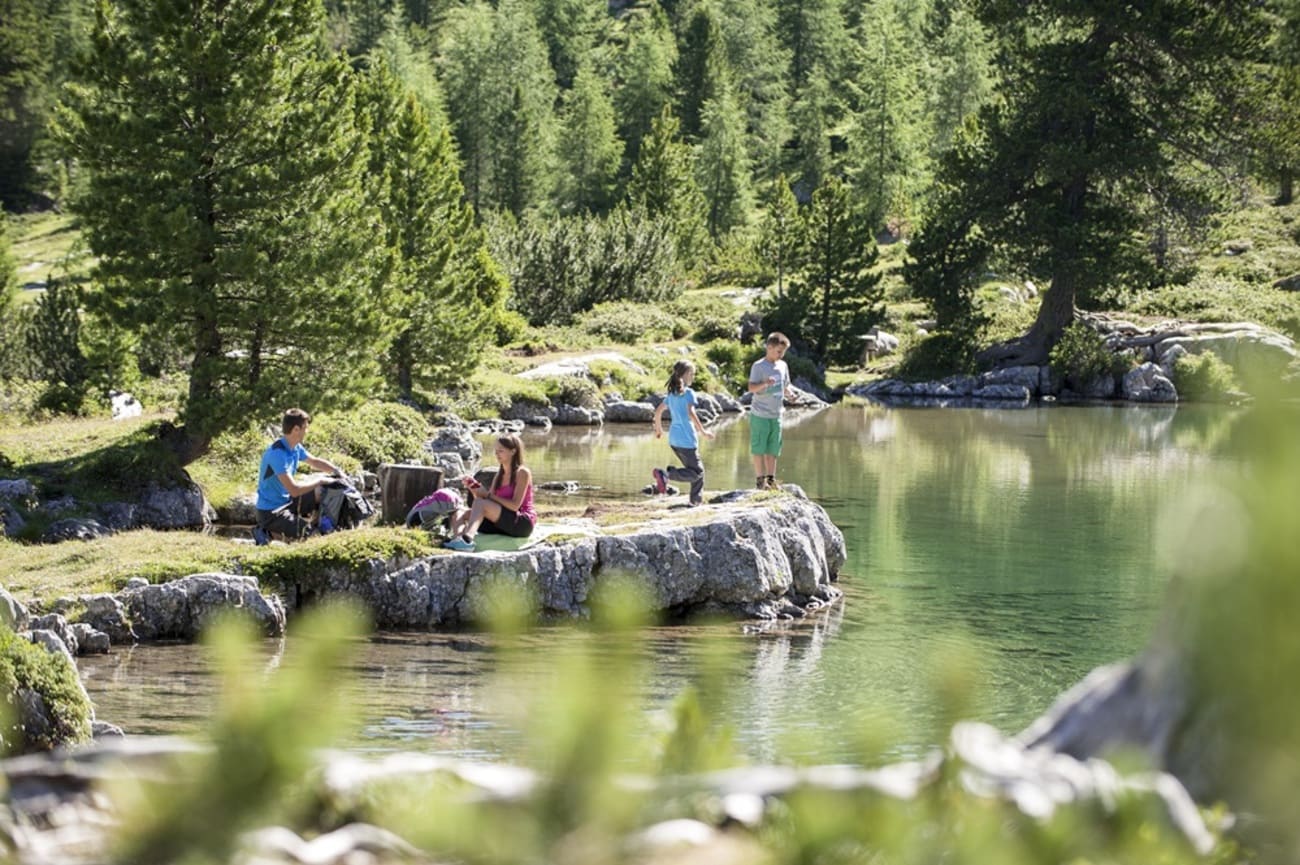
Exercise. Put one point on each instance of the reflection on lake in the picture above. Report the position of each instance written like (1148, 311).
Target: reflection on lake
(1023, 541)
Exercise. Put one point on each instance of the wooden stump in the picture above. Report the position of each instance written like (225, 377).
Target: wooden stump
(403, 485)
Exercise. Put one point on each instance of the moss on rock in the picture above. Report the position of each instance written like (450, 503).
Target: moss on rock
(28, 671)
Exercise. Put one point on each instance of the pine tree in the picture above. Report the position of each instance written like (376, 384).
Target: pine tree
(590, 151)
(472, 81)
(887, 149)
(701, 71)
(781, 240)
(646, 79)
(663, 184)
(963, 74)
(1089, 105)
(445, 287)
(815, 35)
(571, 30)
(413, 68)
(224, 196)
(722, 166)
(1278, 124)
(838, 289)
(523, 130)
(758, 64)
(26, 50)
(814, 111)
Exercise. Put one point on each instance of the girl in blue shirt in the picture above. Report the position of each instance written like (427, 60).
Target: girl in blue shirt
(680, 403)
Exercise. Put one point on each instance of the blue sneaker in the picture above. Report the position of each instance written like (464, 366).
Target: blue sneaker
(661, 481)
(260, 536)
(460, 545)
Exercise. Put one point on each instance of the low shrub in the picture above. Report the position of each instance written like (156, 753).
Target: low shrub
(574, 390)
(628, 323)
(490, 392)
(1203, 377)
(1081, 356)
(1209, 298)
(937, 356)
(374, 433)
(733, 360)
(634, 385)
(28, 666)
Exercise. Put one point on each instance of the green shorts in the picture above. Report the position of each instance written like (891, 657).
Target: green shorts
(764, 436)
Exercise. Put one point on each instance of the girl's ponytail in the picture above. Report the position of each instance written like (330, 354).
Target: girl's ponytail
(680, 369)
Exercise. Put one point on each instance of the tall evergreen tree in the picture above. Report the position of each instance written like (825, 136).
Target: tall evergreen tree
(758, 64)
(781, 239)
(472, 83)
(444, 284)
(888, 150)
(961, 60)
(571, 30)
(413, 67)
(26, 52)
(523, 130)
(663, 184)
(1278, 126)
(814, 111)
(838, 290)
(590, 151)
(1090, 103)
(701, 70)
(224, 196)
(722, 166)
(646, 79)
(815, 35)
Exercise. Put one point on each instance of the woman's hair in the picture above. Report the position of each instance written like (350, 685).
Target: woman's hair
(516, 447)
(680, 369)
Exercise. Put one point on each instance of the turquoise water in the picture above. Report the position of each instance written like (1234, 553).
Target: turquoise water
(995, 557)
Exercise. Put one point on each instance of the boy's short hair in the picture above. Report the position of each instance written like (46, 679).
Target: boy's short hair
(778, 338)
(294, 418)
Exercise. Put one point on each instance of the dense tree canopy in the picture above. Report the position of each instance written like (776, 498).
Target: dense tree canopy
(1093, 106)
(225, 197)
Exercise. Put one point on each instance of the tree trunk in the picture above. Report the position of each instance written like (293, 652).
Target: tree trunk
(1286, 187)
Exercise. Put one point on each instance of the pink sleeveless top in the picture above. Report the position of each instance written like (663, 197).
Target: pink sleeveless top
(526, 509)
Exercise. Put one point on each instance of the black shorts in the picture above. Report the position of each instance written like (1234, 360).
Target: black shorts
(511, 523)
(291, 520)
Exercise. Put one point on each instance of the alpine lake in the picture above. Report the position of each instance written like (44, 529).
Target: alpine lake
(999, 554)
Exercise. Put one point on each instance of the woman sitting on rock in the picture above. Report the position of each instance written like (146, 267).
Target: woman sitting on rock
(506, 508)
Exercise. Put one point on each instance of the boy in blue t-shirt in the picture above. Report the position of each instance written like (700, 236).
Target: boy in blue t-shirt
(680, 403)
(284, 506)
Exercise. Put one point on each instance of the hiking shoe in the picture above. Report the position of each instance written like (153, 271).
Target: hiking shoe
(760, 484)
(260, 536)
(661, 481)
(460, 545)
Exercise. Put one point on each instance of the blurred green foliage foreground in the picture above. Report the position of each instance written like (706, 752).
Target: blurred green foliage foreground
(595, 792)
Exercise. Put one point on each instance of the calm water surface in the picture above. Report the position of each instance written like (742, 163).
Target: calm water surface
(1023, 544)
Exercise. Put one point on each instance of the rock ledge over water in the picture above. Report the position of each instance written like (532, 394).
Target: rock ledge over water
(754, 556)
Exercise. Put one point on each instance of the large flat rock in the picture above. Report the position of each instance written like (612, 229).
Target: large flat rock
(752, 556)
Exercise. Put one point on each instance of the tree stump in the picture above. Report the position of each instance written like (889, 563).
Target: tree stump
(403, 485)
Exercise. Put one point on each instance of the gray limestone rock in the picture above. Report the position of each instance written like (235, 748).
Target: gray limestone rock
(74, 529)
(12, 611)
(456, 438)
(623, 411)
(574, 415)
(176, 507)
(736, 558)
(89, 640)
(1027, 377)
(182, 608)
(1147, 383)
(60, 627)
